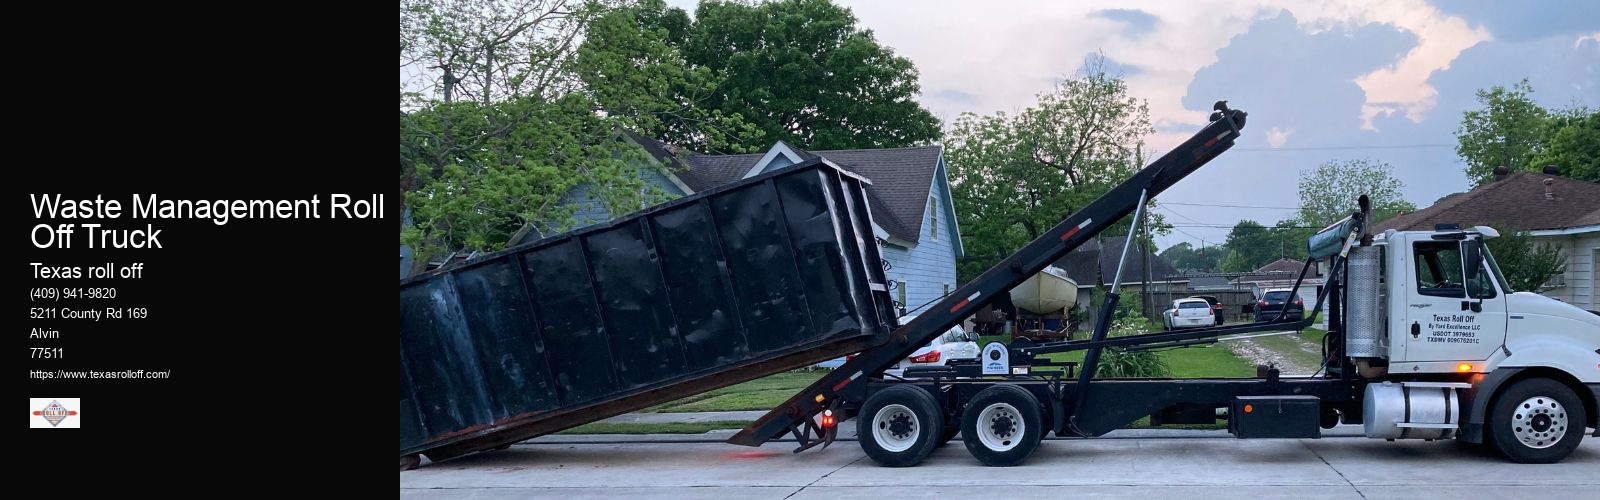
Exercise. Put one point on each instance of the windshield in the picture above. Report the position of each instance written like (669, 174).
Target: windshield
(1277, 296)
(1193, 305)
(1495, 268)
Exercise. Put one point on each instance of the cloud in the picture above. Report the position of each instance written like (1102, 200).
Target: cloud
(1592, 37)
(1107, 64)
(1139, 22)
(1403, 86)
(1276, 137)
(955, 96)
(1526, 20)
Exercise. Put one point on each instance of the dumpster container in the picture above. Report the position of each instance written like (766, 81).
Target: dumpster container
(764, 275)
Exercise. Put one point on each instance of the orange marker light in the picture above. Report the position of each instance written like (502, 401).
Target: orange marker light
(820, 398)
(1249, 408)
(1464, 367)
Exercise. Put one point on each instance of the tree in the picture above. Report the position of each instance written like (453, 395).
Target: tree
(630, 65)
(802, 71)
(1330, 192)
(1250, 245)
(505, 127)
(1505, 131)
(1573, 144)
(1015, 176)
(1525, 263)
(1512, 130)
(1185, 257)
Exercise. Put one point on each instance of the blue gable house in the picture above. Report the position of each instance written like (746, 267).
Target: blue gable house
(909, 197)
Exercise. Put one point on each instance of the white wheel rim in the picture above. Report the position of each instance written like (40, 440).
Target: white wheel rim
(1539, 422)
(895, 428)
(1000, 427)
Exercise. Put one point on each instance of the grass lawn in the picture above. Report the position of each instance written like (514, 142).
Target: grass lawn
(1200, 361)
(760, 394)
(665, 428)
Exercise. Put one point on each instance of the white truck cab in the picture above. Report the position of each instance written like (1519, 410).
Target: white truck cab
(1443, 318)
(1449, 310)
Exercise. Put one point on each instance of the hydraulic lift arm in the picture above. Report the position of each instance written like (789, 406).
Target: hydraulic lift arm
(797, 415)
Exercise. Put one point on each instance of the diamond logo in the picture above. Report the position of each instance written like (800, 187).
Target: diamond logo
(55, 412)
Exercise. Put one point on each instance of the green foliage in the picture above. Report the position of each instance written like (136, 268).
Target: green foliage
(1251, 245)
(1573, 144)
(1330, 192)
(1525, 263)
(1185, 257)
(630, 64)
(802, 71)
(508, 106)
(1510, 129)
(479, 173)
(1015, 176)
(1116, 362)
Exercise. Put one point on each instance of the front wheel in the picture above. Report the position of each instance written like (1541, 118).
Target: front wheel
(1001, 426)
(1537, 421)
(899, 426)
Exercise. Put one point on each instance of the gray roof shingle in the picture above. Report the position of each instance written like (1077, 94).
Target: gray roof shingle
(898, 197)
(1515, 203)
(1101, 255)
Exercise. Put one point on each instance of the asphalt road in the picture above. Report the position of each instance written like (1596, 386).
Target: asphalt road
(1176, 468)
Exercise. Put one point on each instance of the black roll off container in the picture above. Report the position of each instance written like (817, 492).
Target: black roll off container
(767, 274)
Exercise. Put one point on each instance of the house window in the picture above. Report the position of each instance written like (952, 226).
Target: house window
(902, 290)
(933, 211)
(947, 289)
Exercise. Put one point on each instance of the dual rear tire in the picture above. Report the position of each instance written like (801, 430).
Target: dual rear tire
(1002, 425)
(901, 425)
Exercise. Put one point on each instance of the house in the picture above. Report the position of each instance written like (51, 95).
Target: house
(912, 210)
(1096, 262)
(1282, 273)
(1554, 210)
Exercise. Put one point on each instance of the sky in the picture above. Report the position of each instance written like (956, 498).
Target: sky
(1385, 80)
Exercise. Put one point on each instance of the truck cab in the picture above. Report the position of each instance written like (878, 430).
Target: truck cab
(1448, 309)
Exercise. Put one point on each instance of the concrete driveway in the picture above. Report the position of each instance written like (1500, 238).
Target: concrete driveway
(1173, 467)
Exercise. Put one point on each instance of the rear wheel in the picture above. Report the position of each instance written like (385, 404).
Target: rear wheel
(899, 426)
(1002, 426)
(1537, 421)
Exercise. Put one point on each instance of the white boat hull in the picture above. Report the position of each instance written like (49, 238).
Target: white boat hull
(1045, 293)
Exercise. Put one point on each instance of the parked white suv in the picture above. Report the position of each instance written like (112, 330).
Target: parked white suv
(1188, 313)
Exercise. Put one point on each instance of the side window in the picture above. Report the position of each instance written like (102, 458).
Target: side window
(1438, 266)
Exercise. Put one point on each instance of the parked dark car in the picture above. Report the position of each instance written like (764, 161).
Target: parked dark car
(1280, 300)
(1216, 305)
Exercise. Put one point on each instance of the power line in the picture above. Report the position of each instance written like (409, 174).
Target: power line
(1226, 206)
(1347, 148)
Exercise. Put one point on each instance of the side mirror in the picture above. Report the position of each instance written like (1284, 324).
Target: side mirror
(1472, 255)
(1475, 280)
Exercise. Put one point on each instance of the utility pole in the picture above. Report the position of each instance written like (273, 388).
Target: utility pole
(1144, 243)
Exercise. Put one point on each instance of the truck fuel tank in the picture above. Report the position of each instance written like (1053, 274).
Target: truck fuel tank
(1412, 410)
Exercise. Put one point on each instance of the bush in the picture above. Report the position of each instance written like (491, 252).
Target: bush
(1116, 362)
